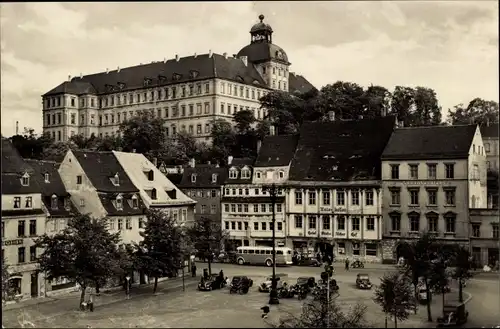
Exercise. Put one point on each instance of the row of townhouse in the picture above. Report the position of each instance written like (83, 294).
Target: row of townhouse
(40, 197)
(363, 186)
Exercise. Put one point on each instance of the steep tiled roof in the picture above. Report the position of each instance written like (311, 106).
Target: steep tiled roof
(341, 150)
(108, 201)
(434, 142)
(12, 162)
(11, 184)
(175, 178)
(297, 83)
(239, 163)
(186, 69)
(100, 167)
(258, 52)
(490, 130)
(203, 174)
(276, 151)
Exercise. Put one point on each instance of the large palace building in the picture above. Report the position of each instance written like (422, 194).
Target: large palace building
(189, 92)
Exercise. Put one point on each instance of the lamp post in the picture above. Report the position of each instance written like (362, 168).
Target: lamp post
(273, 191)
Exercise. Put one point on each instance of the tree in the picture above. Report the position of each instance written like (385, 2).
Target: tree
(462, 268)
(439, 276)
(29, 145)
(57, 151)
(396, 297)
(223, 140)
(324, 312)
(207, 236)
(84, 252)
(143, 133)
(418, 256)
(161, 253)
(416, 107)
(244, 121)
(107, 143)
(186, 146)
(346, 99)
(479, 111)
(376, 100)
(5, 278)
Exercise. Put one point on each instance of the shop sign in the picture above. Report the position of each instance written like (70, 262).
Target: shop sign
(311, 232)
(14, 242)
(426, 182)
(354, 234)
(340, 233)
(325, 209)
(340, 209)
(326, 233)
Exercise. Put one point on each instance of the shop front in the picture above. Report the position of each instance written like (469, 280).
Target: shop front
(25, 282)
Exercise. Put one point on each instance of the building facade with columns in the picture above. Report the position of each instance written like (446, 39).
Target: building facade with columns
(334, 193)
(190, 93)
(431, 177)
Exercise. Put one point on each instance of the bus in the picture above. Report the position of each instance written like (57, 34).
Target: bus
(263, 256)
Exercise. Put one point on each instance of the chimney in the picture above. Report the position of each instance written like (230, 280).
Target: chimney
(118, 69)
(81, 75)
(195, 55)
(331, 116)
(155, 162)
(229, 160)
(176, 58)
(259, 145)
(107, 70)
(192, 162)
(17, 127)
(244, 59)
(272, 130)
(164, 60)
(210, 53)
(225, 55)
(69, 77)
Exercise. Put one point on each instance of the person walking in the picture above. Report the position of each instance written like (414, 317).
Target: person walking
(193, 270)
(91, 300)
(347, 264)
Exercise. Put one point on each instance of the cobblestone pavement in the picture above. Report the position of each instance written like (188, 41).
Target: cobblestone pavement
(173, 308)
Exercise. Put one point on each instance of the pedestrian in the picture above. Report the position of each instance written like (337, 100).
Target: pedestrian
(127, 288)
(193, 270)
(91, 300)
(347, 264)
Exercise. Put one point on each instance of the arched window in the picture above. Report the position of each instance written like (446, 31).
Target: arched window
(153, 194)
(53, 202)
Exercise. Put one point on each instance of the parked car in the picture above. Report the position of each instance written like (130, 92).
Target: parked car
(308, 262)
(363, 281)
(357, 264)
(211, 283)
(240, 284)
(333, 284)
(266, 285)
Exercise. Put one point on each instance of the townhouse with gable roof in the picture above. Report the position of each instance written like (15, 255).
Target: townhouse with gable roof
(59, 208)
(432, 177)
(23, 220)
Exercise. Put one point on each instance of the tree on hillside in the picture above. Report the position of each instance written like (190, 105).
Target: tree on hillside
(376, 100)
(143, 133)
(161, 253)
(84, 252)
(418, 257)
(462, 268)
(263, 129)
(323, 312)
(207, 237)
(346, 99)
(285, 111)
(416, 106)
(479, 111)
(29, 145)
(244, 121)
(57, 150)
(187, 147)
(109, 143)
(223, 140)
(395, 295)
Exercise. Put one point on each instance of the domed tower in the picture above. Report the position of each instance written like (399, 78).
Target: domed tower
(270, 60)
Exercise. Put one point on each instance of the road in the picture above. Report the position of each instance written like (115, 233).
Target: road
(172, 307)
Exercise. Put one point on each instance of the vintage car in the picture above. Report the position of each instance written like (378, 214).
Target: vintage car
(308, 261)
(422, 294)
(453, 315)
(333, 284)
(240, 284)
(266, 285)
(211, 283)
(363, 281)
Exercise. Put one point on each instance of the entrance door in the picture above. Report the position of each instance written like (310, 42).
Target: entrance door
(34, 285)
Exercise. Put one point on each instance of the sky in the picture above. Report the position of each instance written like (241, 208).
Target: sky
(449, 46)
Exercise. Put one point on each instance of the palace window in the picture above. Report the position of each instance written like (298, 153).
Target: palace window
(312, 197)
(298, 221)
(326, 222)
(450, 170)
(395, 222)
(341, 223)
(355, 198)
(369, 198)
(340, 198)
(450, 221)
(370, 224)
(414, 171)
(414, 222)
(298, 197)
(431, 171)
(395, 171)
(312, 222)
(355, 223)
(326, 198)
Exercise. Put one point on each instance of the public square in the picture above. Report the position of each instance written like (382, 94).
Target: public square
(171, 307)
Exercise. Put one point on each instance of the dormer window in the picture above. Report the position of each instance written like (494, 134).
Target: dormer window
(119, 202)
(66, 204)
(53, 202)
(245, 173)
(233, 173)
(115, 180)
(151, 176)
(214, 178)
(135, 202)
(46, 178)
(25, 180)
(153, 194)
(257, 174)
(281, 174)
(193, 178)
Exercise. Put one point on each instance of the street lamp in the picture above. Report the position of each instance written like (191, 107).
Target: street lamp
(273, 191)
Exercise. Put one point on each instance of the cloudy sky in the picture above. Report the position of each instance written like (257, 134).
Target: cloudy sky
(449, 46)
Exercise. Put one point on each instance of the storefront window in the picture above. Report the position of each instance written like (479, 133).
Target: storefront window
(355, 249)
(341, 248)
(371, 249)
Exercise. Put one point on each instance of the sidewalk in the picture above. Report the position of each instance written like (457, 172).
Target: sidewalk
(71, 300)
